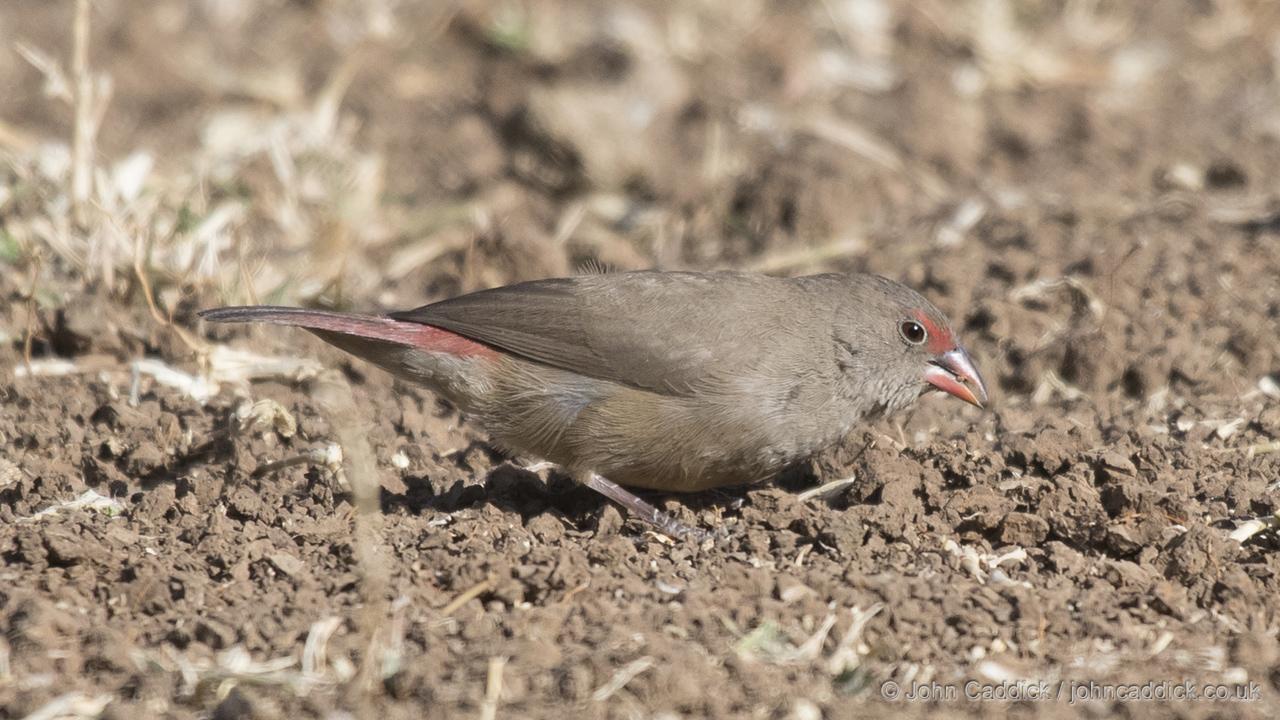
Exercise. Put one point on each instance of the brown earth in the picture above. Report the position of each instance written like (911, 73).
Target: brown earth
(1089, 191)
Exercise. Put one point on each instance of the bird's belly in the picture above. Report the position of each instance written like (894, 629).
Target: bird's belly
(678, 444)
(643, 439)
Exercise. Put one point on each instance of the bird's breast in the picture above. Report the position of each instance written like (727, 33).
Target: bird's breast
(721, 435)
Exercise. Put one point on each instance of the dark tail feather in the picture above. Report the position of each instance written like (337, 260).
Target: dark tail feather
(331, 326)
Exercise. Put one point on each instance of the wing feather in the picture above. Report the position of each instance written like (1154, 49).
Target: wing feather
(666, 332)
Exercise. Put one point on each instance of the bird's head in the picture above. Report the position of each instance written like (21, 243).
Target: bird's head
(894, 345)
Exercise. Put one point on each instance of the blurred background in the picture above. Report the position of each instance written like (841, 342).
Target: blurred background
(1031, 164)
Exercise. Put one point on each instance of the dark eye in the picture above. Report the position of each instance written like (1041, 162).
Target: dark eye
(913, 332)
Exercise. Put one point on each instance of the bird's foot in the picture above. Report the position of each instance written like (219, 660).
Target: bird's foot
(663, 522)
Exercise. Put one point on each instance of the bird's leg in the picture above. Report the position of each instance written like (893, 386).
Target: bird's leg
(641, 509)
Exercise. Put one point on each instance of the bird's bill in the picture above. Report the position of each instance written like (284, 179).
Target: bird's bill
(954, 373)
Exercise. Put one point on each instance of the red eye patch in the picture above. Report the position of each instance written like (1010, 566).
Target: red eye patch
(940, 339)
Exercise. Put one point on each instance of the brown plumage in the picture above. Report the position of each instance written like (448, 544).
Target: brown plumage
(674, 381)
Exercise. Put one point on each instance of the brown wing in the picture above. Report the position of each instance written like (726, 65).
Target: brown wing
(667, 332)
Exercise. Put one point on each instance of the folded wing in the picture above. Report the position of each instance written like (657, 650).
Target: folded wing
(665, 332)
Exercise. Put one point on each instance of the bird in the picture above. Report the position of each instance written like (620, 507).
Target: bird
(675, 381)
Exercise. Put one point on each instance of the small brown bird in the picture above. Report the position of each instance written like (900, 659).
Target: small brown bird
(675, 381)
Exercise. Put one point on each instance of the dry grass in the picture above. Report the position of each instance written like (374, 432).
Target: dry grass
(317, 226)
(169, 224)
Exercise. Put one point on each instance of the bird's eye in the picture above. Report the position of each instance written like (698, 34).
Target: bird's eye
(913, 332)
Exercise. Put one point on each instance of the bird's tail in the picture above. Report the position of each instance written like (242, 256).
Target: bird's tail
(346, 330)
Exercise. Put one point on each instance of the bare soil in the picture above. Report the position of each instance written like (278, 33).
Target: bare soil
(1094, 204)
